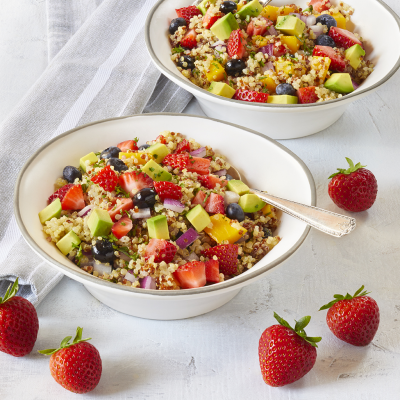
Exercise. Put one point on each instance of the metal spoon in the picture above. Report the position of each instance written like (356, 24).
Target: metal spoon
(326, 221)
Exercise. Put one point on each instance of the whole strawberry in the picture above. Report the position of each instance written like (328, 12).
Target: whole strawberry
(19, 324)
(76, 366)
(354, 189)
(286, 354)
(353, 319)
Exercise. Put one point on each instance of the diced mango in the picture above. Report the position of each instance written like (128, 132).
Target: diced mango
(241, 4)
(340, 19)
(138, 158)
(269, 211)
(292, 42)
(272, 12)
(216, 72)
(269, 83)
(321, 66)
(259, 41)
(224, 229)
(287, 68)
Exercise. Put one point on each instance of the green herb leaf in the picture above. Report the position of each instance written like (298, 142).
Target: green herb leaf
(178, 50)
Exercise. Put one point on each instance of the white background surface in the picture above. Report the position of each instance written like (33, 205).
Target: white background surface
(215, 356)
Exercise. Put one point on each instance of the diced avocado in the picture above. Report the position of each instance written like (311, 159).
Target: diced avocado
(92, 160)
(158, 151)
(354, 54)
(156, 172)
(340, 83)
(221, 89)
(204, 5)
(67, 243)
(282, 99)
(224, 26)
(253, 9)
(158, 227)
(251, 203)
(290, 25)
(238, 187)
(198, 217)
(99, 222)
(53, 210)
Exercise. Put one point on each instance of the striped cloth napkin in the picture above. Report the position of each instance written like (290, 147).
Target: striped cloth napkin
(98, 68)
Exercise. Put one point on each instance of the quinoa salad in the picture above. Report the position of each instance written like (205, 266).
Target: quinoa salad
(164, 215)
(283, 55)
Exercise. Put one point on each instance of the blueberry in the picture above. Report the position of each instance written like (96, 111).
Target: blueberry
(118, 164)
(144, 147)
(285, 88)
(110, 152)
(186, 62)
(144, 198)
(235, 67)
(326, 19)
(325, 40)
(228, 6)
(234, 211)
(228, 177)
(267, 232)
(175, 24)
(103, 251)
(71, 173)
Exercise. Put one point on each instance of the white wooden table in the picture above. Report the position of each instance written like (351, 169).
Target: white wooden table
(215, 356)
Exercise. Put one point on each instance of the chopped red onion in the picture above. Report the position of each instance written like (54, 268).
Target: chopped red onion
(317, 29)
(272, 31)
(193, 257)
(130, 277)
(297, 15)
(85, 210)
(268, 66)
(268, 49)
(355, 84)
(221, 172)
(219, 43)
(201, 152)
(230, 197)
(187, 238)
(140, 213)
(311, 20)
(102, 268)
(174, 205)
(147, 283)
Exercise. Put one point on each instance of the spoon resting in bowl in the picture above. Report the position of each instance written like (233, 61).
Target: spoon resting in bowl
(326, 221)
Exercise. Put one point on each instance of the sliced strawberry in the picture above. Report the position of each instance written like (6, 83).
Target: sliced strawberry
(128, 145)
(257, 28)
(212, 271)
(183, 147)
(106, 178)
(251, 96)
(189, 40)
(344, 38)
(161, 139)
(191, 275)
(199, 165)
(188, 12)
(119, 206)
(338, 63)
(60, 193)
(320, 5)
(73, 199)
(210, 181)
(122, 227)
(307, 95)
(236, 44)
(180, 161)
(210, 18)
(227, 256)
(168, 190)
(161, 249)
(215, 204)
(280, 50)
(133, 181)
(199, 198)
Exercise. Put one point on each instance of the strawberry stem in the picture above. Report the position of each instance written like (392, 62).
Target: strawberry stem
(11, 292)
(338, 297)
(353, 168)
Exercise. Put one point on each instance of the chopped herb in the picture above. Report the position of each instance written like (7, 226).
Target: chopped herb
(125, 251)
(118, 190)
(178, 50)
(155, 156)
(84, 187)
(151, 169)
(111, 238)
(123, 223)
(98, 153)
(79, 254)
(247, 18)
(252, 54)
(261, 62)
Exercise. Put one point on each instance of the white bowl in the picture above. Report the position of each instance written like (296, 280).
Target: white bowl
(265, 163)
(374, 21)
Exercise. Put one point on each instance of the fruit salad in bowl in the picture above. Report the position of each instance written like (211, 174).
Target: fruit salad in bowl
(274, 54)
(164, 214)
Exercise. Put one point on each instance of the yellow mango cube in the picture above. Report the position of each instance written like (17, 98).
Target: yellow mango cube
(259, 41)
(272, 13)
(287, 68)
(138, 158)
(291, 42)
(224, 229)
(216, 72)
(269, 83)
(340, 19)
(321, 66)
(269, 211)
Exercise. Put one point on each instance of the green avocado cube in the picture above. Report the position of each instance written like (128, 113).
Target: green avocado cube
(221, 89)
(224, 26)
(156, 172)
(68, 242)
(158, 227)
(198, 217)
(91, 157)
(340, 83)
(290, 25)
(354, 55)
(253, 9)
(282, 99)
(251, 203)
(158, 151)
(238, 187)
(204, 5)
(99, 222)
(53, 210)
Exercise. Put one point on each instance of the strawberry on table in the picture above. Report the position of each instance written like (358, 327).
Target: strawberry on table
(128, 145)
(60, 193)
(191, 275)
(122, 227)
(183, 147)
(210, 181)
(353, 189)
(338, 63)
(75, 366)
(179, 161)
(286, 354)
(344, 38)
(215, 204)
(251, 96)
(73, 199)
(19, 324)
(119, 206)
(212, 271)
(307, 95)
(199, 165)
(353, 319)
(227, 255)
(106, 178)
(168, 190)
(161, 249)
(189, 40)
(188, 12)
(133, 181)
(236, 44)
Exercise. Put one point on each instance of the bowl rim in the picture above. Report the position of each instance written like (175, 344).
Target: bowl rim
(215, 98)
(231, 283)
